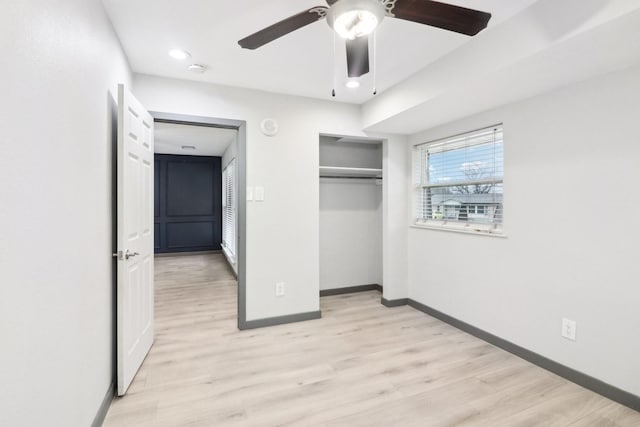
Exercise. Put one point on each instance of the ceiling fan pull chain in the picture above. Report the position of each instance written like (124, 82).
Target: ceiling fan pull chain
(375, 61)
(333, 91)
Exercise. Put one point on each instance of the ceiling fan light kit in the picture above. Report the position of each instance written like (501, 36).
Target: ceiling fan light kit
(355, 18)
(352, 84)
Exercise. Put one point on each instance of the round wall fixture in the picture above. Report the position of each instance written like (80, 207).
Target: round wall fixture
(269, 127)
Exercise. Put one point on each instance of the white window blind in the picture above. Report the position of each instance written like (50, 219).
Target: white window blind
(458, 181)
(229, 209)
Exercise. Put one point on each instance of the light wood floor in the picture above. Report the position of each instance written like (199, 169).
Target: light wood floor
(362, 364)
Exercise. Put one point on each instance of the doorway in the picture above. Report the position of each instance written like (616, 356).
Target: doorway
(236, 156)
(133, 207)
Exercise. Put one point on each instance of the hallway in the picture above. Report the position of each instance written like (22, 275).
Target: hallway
(362, 364)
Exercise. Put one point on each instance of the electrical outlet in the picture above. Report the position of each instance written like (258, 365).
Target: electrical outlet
(569, 329)
(280, 289)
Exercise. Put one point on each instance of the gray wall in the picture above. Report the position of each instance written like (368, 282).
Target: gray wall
(572, 168)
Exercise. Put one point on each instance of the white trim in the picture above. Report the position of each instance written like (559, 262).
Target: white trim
(433, 141)
(464, 182)
(227, 253)
(467, 228)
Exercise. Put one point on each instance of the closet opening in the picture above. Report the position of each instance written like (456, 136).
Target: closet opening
(350, 218)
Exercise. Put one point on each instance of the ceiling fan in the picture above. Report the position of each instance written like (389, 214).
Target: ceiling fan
(354, 20)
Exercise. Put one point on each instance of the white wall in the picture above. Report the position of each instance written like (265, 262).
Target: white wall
(350, 233)
(282, 232)
(230, 153)
(572, 167)
(350, 154)
(395, 216)
(62, 64)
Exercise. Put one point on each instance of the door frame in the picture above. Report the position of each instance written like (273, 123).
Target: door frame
(241, 170)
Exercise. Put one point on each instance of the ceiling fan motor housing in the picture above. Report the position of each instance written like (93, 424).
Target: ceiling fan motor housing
(374, 7)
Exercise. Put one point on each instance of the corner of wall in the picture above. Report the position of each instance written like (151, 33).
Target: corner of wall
(395, 216)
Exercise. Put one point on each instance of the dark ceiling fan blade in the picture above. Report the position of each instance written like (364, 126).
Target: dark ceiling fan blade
(283, 27)
(442, 15)
(357, 57)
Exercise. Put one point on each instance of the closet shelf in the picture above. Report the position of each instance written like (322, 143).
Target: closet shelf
(336, 171)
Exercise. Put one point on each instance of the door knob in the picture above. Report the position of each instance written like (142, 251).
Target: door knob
(125, 256)
(128, 254)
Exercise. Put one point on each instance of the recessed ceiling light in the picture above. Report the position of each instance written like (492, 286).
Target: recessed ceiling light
(197, 68)
(352, 84)
(179, 54)
(188, 147)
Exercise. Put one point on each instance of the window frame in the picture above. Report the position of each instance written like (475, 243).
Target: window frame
(421, 184)
(229, 208)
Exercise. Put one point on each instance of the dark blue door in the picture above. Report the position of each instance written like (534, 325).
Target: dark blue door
(188, 203)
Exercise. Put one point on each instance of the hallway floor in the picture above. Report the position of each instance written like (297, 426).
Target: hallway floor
(362, 364)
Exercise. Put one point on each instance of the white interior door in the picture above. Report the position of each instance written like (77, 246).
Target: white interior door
(135, 237)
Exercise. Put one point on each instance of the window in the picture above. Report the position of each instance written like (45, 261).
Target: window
(458, 182)
(229, 210)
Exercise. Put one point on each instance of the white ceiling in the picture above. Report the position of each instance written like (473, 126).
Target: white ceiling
(169, 139)
(299, 63)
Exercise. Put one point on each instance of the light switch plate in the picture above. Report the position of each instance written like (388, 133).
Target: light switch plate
(259, 194)
(249, 194)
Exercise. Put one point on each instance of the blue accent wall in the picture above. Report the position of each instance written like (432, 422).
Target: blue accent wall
(188, 203)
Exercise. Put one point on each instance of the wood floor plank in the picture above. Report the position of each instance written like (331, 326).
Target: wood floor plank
(361, 364)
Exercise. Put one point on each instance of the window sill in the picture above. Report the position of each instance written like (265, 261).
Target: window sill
(464, 229)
